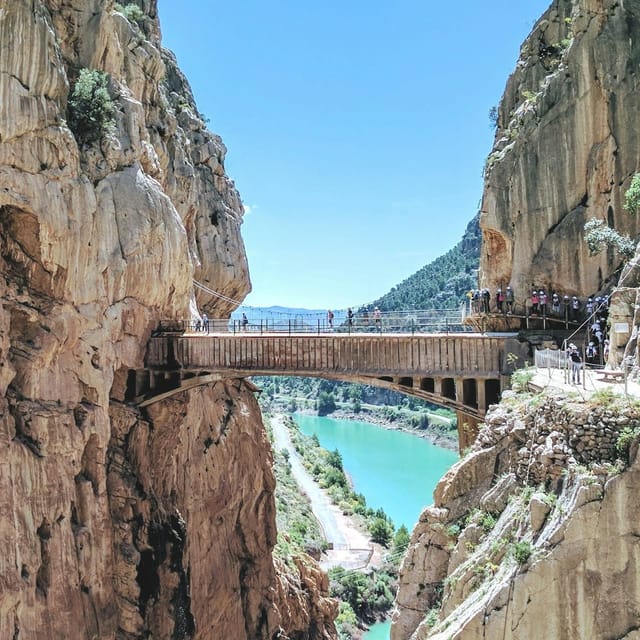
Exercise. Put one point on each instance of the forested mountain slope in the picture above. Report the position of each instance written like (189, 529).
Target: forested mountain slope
(443, 283)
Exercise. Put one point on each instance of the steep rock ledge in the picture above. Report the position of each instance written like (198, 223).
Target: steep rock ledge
(531, 535)
(117, 523)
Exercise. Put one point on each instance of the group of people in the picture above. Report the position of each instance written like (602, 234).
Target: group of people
(377, 318)
(480, 300)
(202, 324)
(541, 303)
(592, 355)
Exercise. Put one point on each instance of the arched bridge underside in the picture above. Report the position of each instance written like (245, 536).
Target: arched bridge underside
(465, 372)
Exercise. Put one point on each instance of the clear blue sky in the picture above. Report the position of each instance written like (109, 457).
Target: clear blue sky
(356, 130)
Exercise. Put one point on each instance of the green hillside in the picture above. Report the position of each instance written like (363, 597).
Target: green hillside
(443, 283)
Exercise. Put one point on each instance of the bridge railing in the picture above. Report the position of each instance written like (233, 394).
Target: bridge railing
(423, 321)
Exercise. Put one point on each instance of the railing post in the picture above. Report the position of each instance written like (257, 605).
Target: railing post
(289, 326)
(318, 326)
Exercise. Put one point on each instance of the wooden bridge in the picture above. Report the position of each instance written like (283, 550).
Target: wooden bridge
(463, 371)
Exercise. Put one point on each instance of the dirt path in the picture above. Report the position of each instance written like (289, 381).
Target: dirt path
(352, 549)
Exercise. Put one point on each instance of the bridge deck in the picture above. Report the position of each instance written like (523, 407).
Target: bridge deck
(460, 354)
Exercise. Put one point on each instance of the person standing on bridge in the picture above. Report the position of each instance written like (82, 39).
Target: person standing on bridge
(377, 319)
(244, 321)
(508, 297)
(575, 308)
(486, 301)
(499, 300)
(566, 301)
(542, 302)
(576, 363)
(350, 317)
(535, 300)
(330, 319)
(205, 322)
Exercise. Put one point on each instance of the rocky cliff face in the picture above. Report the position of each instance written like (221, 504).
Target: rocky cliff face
(565, 150)
(116, 522)
(533, 534)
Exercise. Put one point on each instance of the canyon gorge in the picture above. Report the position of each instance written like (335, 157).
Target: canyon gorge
(159, 522)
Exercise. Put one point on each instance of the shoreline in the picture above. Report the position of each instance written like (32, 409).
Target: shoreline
(437, 439)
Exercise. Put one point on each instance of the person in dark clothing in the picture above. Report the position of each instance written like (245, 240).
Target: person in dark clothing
(575, 362)
(499, 300)
(486, 300)
(509, 298)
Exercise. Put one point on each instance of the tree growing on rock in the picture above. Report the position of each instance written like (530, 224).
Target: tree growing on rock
(91, 109)
(599, 235)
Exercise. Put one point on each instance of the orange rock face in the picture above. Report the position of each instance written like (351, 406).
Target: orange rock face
(564, 152)
(118, 522)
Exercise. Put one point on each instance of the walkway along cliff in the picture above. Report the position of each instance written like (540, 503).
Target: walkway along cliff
(534, 533)
(118, 522)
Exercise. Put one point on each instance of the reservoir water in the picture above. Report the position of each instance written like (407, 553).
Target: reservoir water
(392, 469)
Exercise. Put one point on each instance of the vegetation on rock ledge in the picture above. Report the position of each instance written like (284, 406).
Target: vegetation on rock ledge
(91, 109)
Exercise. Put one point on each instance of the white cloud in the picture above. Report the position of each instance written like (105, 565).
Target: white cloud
(248, 208)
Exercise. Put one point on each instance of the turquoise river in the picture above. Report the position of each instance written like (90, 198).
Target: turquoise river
(394, 470)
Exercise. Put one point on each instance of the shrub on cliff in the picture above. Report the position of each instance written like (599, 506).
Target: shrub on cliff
(91, 109)
(131, 11)
(598, 236)
(632, 195)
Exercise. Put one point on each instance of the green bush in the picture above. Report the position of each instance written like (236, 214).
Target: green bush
(521, 378)
(632, 195)
(90, 109)
(598, 236)
(364, 593)
(131, 12)
(522, 551)
(401, 539)
(332, 477)
(326, 403)
(334, 459)
(431, 619)
(346, 621)
(487, 521)
(381, 531)
(626, 437)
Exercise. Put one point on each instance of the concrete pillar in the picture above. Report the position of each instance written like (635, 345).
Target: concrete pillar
(459, 385)
(481, 392)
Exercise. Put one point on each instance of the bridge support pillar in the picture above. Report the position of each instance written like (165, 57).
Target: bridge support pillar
(467, 430)
(482, 395)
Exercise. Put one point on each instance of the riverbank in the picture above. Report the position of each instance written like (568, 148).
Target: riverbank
(350, 544)
(393, 470)
(431, 434)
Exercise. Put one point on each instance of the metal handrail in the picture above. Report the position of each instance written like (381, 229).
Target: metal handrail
(418, 321)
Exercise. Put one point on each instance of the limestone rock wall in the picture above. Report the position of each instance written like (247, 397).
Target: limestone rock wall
(118, 523)
(531, 535)
(565, 150)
